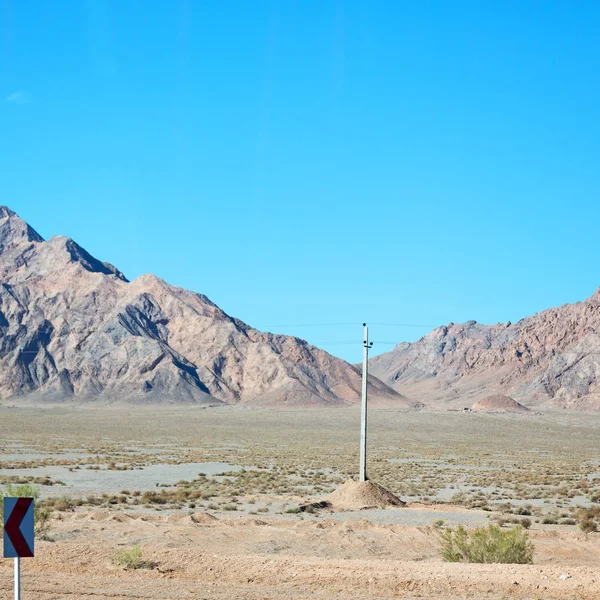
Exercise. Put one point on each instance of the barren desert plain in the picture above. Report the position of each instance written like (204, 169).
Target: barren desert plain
(212, 497)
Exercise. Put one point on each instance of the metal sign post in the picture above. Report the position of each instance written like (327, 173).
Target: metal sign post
(18, 534)
(17, 578)
(363, 415)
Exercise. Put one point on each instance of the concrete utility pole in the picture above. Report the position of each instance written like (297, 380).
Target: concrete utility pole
(363, 417)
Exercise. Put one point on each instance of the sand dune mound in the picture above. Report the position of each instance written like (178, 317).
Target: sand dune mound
(355, 495)
(203, 518)
(499, 403)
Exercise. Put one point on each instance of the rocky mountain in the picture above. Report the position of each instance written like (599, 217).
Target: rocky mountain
(550, 359)
(73, 327)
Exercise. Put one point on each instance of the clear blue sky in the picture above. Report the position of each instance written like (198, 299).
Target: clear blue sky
(312, 162)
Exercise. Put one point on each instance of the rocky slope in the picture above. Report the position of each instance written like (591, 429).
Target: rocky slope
(74, 327)
(550, 359)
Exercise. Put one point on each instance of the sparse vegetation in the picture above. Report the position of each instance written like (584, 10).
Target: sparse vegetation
(486, 545)
(588, 519)
(588, 526)
(131, 558)
(555, 484)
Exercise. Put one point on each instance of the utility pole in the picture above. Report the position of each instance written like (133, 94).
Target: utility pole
(363, 416)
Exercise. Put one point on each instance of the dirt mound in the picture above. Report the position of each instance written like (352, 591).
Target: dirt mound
(293, 559)
(107, 516)
(202, 518)
(499, 403)
(355, 495)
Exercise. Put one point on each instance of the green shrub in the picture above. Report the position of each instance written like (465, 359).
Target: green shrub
(486, 545)
(131, 558)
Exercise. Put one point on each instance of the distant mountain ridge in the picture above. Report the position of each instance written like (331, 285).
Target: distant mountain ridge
(550, 359)
(73, 327)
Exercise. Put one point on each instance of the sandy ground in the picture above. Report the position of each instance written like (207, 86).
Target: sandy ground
(197, 556)
(381, 553)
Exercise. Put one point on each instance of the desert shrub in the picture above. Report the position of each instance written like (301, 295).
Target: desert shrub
(523, 510)
(588, 518)
(149, 497)
(525, 523)
(458, 498)
(486, 545)
(588, 525)
(502, 521)
(41, 516)
(61, 504)
(131, 558)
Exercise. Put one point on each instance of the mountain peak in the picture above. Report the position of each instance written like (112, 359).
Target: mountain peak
(6, 212)
(91, 337)
(14, 231)
(18, 242)
(90, 263)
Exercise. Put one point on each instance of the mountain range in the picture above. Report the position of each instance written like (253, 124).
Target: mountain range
(551, 359)
(74, 328)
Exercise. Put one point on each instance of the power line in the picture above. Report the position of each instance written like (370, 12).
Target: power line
(344, 342)
(310, 325)
(353, 342)
(346, 325)
(404, 325)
